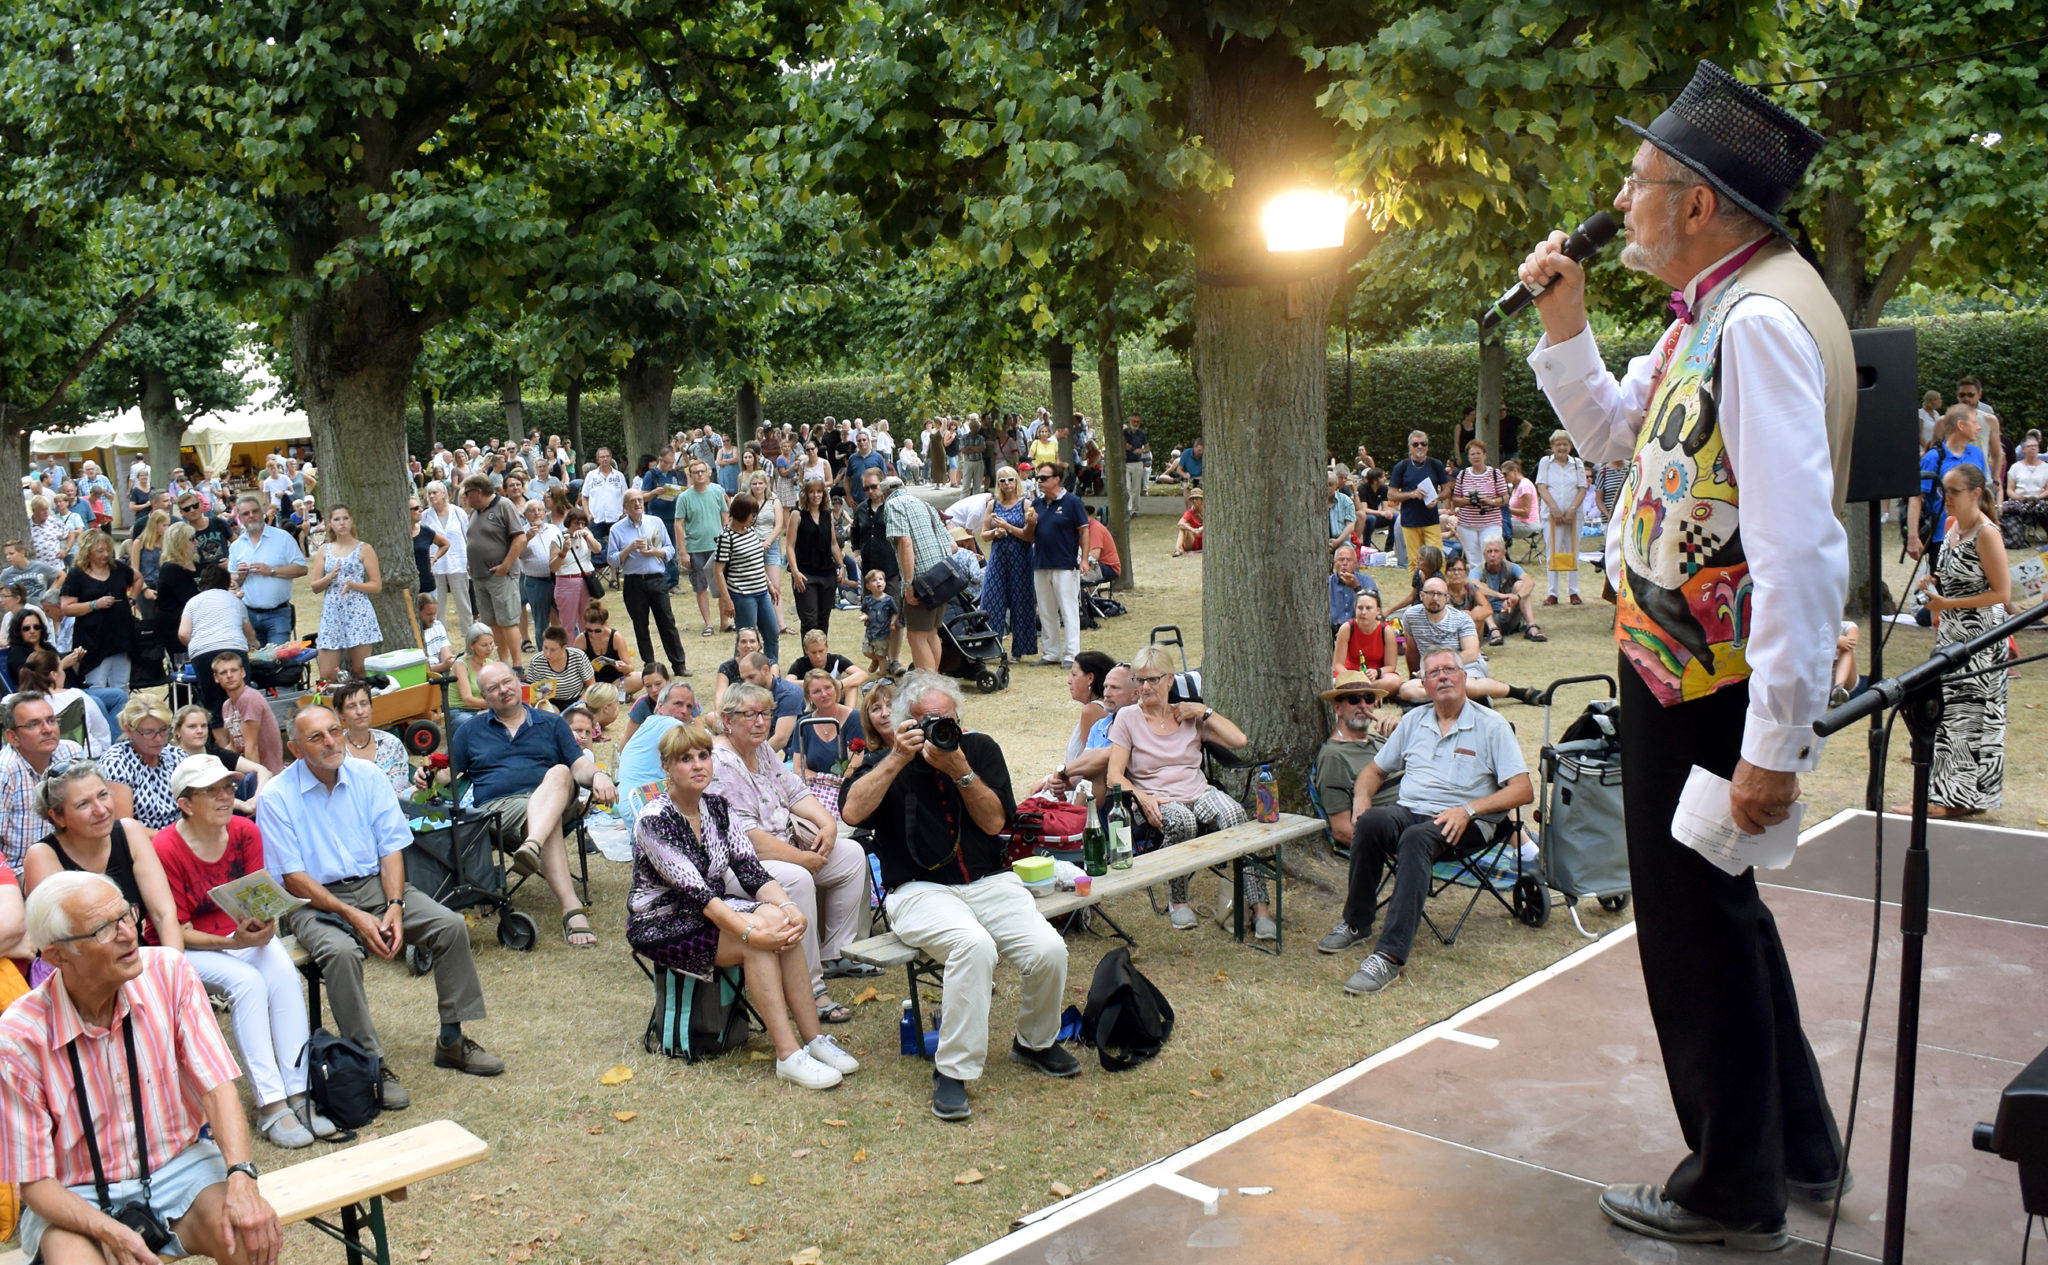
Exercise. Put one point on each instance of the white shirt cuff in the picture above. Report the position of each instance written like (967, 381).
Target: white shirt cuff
(1573, 359)
(1780, 748)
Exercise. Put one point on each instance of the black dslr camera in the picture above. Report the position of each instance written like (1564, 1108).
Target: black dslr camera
(942, 732)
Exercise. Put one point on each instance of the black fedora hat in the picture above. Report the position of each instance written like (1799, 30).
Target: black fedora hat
(1739, 141)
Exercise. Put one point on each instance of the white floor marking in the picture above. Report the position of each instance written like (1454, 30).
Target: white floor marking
(1466, 1038)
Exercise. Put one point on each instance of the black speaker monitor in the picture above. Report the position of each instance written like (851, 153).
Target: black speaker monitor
(1884, 448)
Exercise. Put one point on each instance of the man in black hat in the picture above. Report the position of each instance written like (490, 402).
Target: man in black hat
(1730, 570)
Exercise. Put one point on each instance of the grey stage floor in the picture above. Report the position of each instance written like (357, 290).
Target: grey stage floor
(1488, 1139)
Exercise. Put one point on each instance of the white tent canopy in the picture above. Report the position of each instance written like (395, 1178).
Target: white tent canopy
(211, 437)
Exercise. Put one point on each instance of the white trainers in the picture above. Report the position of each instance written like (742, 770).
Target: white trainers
(807, 1071)
(826, 1050)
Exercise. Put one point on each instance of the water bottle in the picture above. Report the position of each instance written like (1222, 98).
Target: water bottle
(1119, 831)
(1268, 794)
(907, 1034)
(1094, 844)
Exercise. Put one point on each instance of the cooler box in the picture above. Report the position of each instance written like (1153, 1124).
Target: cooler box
(407, 667)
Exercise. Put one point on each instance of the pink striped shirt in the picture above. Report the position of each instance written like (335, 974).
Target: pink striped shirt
(178, 1046)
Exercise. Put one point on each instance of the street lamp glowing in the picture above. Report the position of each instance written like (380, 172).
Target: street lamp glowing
(1305, 220)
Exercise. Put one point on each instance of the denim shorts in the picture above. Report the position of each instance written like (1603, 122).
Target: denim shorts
(172, 1191)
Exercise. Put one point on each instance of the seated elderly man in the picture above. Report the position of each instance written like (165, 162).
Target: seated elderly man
(1434, 624)
(1358, 737)
(1507, 588)
(32, 748)
(1461, 770)
(524, 765)
(111, 1159)
(640, 768)
(796, 838)
(758, 669)
(334, 836)
(938, 809)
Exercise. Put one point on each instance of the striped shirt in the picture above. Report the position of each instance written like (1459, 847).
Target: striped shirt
(569, 683)
(745, 555)
(178, 1046)
(20, 824)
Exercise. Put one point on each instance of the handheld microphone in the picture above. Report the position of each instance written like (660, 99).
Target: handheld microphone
(1586, 239)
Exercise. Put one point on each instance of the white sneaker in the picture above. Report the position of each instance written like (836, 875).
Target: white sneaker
(826, 1050)
(806, 1071)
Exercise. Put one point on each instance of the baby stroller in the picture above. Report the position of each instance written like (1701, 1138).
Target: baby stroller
(1584, 844)
(969, 649)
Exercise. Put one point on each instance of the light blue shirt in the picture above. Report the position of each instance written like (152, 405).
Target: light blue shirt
(1443, 770)
(1098, 733)
(330, 835)
(274, 548)
(640, 758)
(624, 533)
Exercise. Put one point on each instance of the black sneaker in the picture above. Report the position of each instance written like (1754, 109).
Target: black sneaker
(949, 1098)
(1052, 1060)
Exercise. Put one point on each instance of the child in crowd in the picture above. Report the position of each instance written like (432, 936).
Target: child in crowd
(878, 609)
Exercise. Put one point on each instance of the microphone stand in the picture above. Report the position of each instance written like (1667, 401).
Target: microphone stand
(1919, 688)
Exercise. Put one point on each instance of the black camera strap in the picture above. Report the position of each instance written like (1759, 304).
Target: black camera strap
(92, 1145)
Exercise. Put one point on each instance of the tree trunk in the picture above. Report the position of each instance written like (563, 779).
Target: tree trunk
(515, 407)
(354, 356)
(573, 405)
(1261, 362)
(14, 467)
(646, 388)
(1059, 363)
(1109, 381)
(1486, 422)
(746, 413)
(427, 420)
(162, 427)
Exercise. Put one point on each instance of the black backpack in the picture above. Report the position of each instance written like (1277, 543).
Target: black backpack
(345, 1081)
(1128, 1019)
(696, 1019)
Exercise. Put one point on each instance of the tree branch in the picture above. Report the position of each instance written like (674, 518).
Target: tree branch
(29, 419)
(1893, 275)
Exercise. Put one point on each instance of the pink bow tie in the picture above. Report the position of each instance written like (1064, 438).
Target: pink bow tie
(1683, 310)
(1679, 308)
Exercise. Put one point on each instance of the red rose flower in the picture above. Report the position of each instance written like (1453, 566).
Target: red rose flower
(438, 761)
(856, 746)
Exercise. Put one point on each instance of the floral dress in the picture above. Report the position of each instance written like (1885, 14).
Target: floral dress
(676, 873)
(346, 617)
(1969, 748)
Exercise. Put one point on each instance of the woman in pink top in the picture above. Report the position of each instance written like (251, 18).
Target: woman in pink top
(1155, 753)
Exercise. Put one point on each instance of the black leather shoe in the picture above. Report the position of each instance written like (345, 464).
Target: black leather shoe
(949, 1098)
(1642, 1207)
(1822, 1193)
(1052, 1060)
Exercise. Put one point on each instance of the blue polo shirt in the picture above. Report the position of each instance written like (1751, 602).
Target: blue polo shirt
(1409, 475)
(500, 763)
(1344, 598)
(1057, 546)
(857, 466)
(1191, 463)
(789, 698)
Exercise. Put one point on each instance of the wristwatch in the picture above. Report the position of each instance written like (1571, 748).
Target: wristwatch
(1207, 712)
(965, 779)
(244, 1167)
(1060, 772)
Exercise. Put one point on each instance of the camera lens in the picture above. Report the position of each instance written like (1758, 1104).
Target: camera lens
(942, 732)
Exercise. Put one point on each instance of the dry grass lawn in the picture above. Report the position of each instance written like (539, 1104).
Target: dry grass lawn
(720, 1163)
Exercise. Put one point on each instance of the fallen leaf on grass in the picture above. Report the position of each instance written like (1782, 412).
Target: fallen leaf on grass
(596, 1128)
(519, 1254)
(738, 1236)
(1061, 1190)
(860, 1156)
(579, 1219)
(618, 1075)
(757, 1180)
(1100, 1173)
(809, 1256)
(1219, 978)
(969, 1178)
(759, 1057)
(426, 1254)
(624, 1117)
(864, 996)
(1101, 1115)
(1215, 1073)
(800, 1153)
(836, 1124)
(1196, 1093)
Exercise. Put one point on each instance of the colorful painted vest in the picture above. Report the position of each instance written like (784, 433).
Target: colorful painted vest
(1683, 616)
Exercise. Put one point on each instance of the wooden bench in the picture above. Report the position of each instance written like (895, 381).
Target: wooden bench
(1252, 846)
(356, 1182)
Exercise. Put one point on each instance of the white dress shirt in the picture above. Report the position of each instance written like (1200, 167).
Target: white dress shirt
(1773, 422)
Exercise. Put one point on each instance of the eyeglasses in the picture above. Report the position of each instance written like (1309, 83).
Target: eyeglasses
(106, 931)
(1354, 698)
(1634, 184)
(752, 715)
(1043, 478)
(1418, 443)
(1150, 680)
(157, 731)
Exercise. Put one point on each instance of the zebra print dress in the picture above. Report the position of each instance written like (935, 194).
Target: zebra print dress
(1969, 748)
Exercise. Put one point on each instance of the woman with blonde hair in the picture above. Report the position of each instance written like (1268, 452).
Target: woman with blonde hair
(1007, 594)
(98, 594)
(192, 734)
(144, 759)
(177, 582)
(145, 555)
(769, 522)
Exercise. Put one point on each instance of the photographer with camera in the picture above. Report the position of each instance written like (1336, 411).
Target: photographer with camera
(112, 1164)
(1479, 491)
(937, 797)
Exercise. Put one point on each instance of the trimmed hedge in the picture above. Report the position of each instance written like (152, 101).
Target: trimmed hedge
(1393, 390)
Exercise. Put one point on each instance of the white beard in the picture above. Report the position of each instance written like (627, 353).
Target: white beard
(1651, 259)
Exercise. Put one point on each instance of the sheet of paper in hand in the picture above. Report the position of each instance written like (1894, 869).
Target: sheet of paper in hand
(1705, 823)
(254, 897)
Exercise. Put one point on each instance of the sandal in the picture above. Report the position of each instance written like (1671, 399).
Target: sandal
(570, 933)
(1533, 633)
(1494, 638)
(526, 858)
(848, 968)
(830, 1011)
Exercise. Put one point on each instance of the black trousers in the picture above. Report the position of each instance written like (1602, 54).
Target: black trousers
(815, 602)
(647, 593)
(1383, 835)
(1743, 1079)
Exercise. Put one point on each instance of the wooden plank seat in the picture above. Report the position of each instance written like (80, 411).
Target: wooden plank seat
(357, 1181)
(1252, 846)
